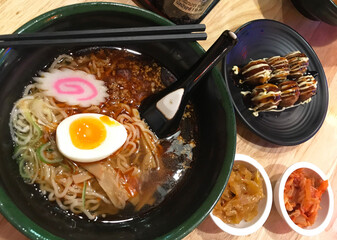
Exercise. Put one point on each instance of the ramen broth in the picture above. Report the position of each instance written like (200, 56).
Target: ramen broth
(130, 77)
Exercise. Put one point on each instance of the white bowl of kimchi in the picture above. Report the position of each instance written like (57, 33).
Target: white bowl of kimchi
(247, 226)
(304, 198)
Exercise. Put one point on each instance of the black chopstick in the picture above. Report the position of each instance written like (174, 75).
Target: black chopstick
(131, 31)
(103, 36)
(105, 40)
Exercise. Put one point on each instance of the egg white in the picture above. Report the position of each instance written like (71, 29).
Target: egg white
(115, 138)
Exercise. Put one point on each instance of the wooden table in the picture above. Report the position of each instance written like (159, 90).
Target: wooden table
(320, 150)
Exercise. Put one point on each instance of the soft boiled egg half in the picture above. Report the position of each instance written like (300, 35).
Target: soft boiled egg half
(89, 137)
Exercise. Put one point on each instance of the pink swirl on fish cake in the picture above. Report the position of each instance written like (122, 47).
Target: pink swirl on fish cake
(73, 87)
(77, 89)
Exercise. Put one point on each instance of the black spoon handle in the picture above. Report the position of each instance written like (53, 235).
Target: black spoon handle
(212, 57)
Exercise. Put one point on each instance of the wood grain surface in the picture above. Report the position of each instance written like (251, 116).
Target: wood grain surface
(320, 150)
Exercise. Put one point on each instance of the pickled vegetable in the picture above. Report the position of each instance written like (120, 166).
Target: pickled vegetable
(302, 196)
(241, 197)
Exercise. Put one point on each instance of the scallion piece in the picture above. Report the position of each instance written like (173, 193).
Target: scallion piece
(48, 153)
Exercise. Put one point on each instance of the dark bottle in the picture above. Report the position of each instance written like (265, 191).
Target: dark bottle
(180, 11)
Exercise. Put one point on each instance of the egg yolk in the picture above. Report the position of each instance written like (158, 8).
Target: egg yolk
(87, 133)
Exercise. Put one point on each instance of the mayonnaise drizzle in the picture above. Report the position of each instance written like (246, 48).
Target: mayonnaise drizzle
(256, 113)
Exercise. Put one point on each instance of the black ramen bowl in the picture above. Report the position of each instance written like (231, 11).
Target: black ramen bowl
(318, 10)
(185, 206)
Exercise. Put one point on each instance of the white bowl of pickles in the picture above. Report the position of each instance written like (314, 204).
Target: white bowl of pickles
(304, 198)
(246, 202)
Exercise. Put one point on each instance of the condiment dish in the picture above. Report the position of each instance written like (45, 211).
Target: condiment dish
(246, 228)
(326, 205)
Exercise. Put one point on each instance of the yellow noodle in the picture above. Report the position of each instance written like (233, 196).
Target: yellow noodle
(56, 180)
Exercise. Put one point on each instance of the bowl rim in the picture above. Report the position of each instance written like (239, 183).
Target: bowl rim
(31, 229)
(230, 228)
(280, 196)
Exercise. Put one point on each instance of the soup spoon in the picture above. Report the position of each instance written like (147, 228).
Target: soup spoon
(164, 110)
